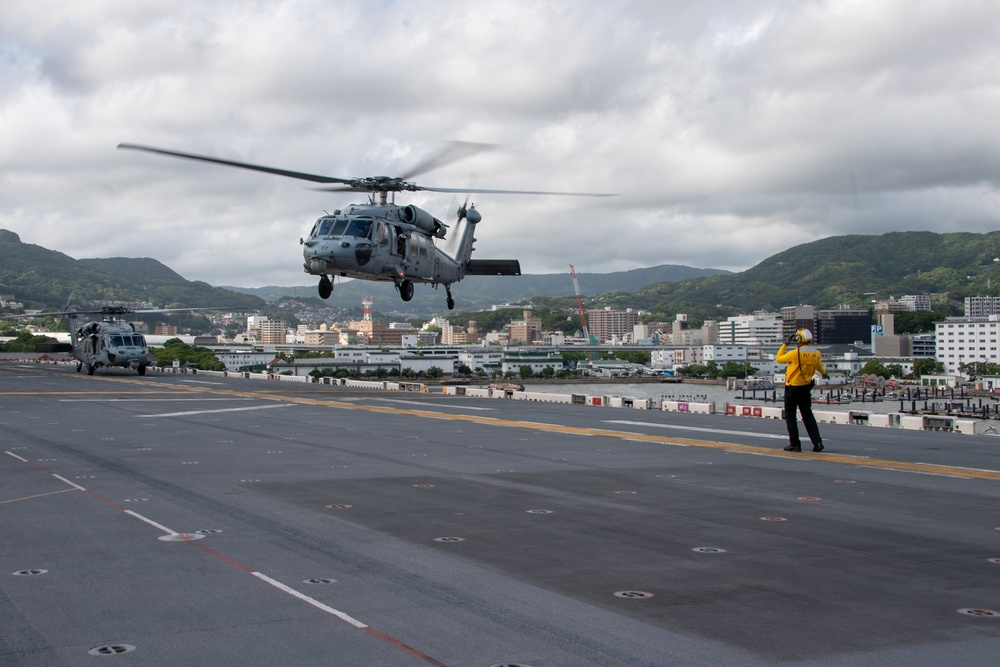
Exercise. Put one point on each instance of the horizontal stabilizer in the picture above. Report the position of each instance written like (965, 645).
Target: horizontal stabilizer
(493, 267)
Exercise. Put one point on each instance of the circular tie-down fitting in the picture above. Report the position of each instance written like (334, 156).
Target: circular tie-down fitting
(809, 498)
(180, 537)
(538, 511)
(709, 550)
(773, 518)
(982, 613)
(449, 539)
(29, 573)
(111, 649)
(339, 506)
(844, 481)
(319, 580)
(423, 486)
(633, 595)
(510, 664)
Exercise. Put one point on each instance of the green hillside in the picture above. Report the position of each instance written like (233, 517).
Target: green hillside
(45, 278)
(826, 273)
(839, 270)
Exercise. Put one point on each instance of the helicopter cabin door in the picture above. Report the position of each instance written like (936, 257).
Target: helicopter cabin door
(420, 265)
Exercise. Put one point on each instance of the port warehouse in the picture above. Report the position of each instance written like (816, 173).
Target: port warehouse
(847, 359)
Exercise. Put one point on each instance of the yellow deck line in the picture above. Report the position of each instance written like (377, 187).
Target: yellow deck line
(38, 495)
(843, 459)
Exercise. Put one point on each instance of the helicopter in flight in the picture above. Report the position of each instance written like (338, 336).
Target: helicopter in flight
(109, 342)
(382, 241)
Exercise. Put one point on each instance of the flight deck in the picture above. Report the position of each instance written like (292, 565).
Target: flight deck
(183, 519)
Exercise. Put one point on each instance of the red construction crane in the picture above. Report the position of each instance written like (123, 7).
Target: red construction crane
(583, 313)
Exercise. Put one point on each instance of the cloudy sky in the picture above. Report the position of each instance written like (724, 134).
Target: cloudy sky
(730, 129)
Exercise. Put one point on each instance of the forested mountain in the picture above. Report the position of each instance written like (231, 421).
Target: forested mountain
(481, 292)
(825, 273)
(43, 278)
(838, 270)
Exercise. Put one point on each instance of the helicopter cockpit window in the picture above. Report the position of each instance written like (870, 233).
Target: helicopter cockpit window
(138, 341)
(322, 227)
(382, 234)
(339, 227)
(361, 228)
(116, 341)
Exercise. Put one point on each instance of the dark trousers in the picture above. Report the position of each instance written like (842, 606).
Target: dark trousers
(800, 398)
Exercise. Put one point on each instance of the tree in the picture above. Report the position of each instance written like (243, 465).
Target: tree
(977, 369)
(25, 342)
(738, 369)
(176, 349)
(526, 372)
(927, 366)
(875, 367)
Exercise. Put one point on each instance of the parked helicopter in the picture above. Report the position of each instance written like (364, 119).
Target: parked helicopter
(108, 342)
(384, 241)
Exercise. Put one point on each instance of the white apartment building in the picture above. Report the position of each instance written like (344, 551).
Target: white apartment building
(967, 340)
(480, 357)
(982, 306)
(751, 330)
(720, 354)
(916, 302)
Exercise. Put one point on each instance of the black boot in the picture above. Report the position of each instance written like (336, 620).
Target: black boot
(793, 448)
(818, 447)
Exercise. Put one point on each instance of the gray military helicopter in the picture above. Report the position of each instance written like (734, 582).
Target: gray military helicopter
(110, 342)
(383, 241)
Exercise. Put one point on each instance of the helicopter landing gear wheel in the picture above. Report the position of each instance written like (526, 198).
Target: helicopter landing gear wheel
(90, 369)
(325, 287)
(451, 301)
(79, 367)
(406, 290)
(142, 370)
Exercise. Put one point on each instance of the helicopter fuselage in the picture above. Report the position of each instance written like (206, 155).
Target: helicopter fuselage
(107, 344)
(386, 242)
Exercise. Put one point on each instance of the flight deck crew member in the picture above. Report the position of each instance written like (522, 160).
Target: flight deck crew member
(802, 362)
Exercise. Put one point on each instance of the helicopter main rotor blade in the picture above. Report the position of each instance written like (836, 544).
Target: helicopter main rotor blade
(452, 152)
(515, 192)
(233, 163)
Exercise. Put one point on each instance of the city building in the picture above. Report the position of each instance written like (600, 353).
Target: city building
(272, 332)
(844, 325)
(536, 361)
(720, 354)
(607, 324)
(794, 318)
(916, 302)
(760, 328)
(967, 340)
(982, 306)
(526, 331)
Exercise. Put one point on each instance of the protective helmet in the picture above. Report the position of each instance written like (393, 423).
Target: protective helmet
(804, 336)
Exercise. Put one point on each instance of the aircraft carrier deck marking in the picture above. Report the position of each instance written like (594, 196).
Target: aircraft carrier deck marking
(860, 461)
(209, 412)
(188, 539)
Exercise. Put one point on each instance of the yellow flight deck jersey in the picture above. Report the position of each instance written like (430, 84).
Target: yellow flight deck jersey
(802, 362)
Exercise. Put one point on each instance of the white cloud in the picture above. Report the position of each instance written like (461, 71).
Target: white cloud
(732, 130)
